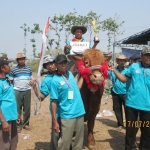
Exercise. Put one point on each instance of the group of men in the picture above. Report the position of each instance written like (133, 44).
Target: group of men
(131, 88)
(15, 95)
(66, 104)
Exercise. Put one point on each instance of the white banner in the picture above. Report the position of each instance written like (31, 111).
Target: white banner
(78, 47)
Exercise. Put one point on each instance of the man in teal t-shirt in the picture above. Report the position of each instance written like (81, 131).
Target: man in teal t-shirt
(49, 64)
(138, 100)
(8, 110)
(66, 95)
(119, 90)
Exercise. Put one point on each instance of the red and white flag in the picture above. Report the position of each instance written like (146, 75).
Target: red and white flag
(44, 38)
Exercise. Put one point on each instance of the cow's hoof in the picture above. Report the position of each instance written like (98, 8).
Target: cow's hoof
(91, 147)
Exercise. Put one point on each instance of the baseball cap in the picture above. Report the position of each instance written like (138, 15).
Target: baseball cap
(4, 61)
(145, 50)
(60, 58)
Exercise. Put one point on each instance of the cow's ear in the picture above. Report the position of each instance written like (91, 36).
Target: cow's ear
(75, 58)
(107, 56)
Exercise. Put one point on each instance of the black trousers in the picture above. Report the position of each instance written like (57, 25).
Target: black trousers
(118, 101)
(131, 124)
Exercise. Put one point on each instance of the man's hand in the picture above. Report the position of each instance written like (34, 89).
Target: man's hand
(56, 126)
(68, 47)
(111, 67)
(19, 119)
(32, 82)
(5, 126)
(96, 42)
(65, 49)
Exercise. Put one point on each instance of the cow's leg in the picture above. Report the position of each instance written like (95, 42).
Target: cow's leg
(95, 101)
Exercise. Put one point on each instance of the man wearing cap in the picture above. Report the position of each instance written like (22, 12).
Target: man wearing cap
(138, 100)
(49, 64)
(66, 95)
(118, 90)
(22, 80)
(8, 110)
(77, 31)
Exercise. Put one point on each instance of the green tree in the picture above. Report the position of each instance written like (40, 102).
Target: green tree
(112, 26)
(58, 28)
(87, 21)
(69, 20)
(35, 30)
(25, 29)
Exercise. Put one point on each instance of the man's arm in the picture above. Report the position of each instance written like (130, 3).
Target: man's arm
(120, 76)
(39, 95)
(54, 118)
(79, 80)
(95, 44)
(5, 125)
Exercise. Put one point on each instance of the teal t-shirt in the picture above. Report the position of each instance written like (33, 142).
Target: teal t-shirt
(45, 90)
(118, 86)
(138, 95)
(68, 108)
(8, 104)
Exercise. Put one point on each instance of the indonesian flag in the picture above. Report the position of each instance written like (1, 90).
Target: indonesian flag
(45, 32)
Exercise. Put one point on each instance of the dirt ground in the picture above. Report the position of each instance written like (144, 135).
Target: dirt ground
(106, 136)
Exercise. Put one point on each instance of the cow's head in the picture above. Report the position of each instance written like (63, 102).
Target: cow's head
(92, 65)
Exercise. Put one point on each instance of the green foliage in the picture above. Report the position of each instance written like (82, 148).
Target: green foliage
(112, 27)
(25, 29)
(36, 29)
(108, 86)
(62, 24)
(4, 54)
(33, 65)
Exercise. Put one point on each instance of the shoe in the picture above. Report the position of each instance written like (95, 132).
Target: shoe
(119, 128)
(27, 128)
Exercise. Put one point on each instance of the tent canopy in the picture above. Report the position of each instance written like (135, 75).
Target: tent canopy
(140, 38)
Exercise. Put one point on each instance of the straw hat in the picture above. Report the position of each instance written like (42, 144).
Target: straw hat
(121, 56)
(20, 55)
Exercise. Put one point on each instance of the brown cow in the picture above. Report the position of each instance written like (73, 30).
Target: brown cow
(93, 67)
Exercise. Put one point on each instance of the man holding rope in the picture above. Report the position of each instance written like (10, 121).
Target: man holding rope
(49, 64)
(21, 76)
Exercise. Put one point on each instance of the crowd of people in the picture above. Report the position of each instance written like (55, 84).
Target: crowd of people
(131, 89)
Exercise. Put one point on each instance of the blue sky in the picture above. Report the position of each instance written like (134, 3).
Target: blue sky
(15, 13)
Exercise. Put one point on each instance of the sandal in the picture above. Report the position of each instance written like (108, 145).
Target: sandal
(18, 130)
(27, 128)
(119, 128)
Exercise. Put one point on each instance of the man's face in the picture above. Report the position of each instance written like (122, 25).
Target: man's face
(78, 34)
(50, 66)
(62, 66)
(5, 68)
(146, 59)
(21, 61)
(121, 62)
